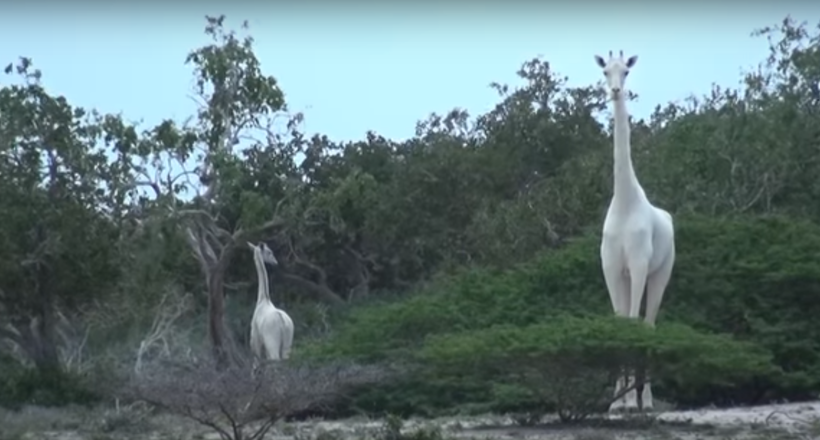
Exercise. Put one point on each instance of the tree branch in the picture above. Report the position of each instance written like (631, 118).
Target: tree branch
(362, 275)
(12, 336)
(320, 291)
(242, 235)
(318, 271)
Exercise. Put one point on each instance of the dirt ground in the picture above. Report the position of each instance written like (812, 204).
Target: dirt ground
(775, 422)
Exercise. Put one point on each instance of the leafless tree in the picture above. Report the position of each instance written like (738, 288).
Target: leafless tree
(242, 402)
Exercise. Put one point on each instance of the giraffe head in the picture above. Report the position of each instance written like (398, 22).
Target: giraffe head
(265, 252)
(616, 71)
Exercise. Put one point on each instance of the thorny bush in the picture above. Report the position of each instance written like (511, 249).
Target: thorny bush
(230, 400)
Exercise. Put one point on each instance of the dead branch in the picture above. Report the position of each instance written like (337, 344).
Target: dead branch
(12, 335)
(799, 420)
(24, 336)
(320, 287)
(166, 314)
(73, 340)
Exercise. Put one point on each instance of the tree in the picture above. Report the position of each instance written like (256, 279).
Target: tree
(241, 100)
(61, 207)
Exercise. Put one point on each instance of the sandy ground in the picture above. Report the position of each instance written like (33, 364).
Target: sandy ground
(777, 422)
(790, 417)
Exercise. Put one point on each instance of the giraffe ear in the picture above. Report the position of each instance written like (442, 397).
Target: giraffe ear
(250, 245)
(631, 61)
(600, 61)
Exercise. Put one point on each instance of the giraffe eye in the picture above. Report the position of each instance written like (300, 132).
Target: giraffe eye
(626, 74)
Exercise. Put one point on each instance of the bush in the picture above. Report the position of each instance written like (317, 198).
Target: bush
(758, 279)
(28, 386)
(475, 298)
(231, 401)
(570, 364)
(755, 278)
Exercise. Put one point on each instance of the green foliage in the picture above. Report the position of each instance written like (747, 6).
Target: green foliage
(557, 282)
(27, 386)
(476, 222)
(755, 279)
(569, 364)
(726, 272)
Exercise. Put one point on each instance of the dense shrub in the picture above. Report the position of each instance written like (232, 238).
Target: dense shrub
(475, 298)
(756, 278)
(21, 386)
(569, 364)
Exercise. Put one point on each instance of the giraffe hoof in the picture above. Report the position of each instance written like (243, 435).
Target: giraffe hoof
(618, 407)
(630, 408)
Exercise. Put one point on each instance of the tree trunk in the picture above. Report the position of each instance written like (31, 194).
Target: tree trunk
(223, 345)
(47, 358)
(216, 314)
(43, 335)
(40, 348)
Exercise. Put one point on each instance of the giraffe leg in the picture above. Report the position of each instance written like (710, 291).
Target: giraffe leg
(655, 288)
(618, 286)
(638, 268)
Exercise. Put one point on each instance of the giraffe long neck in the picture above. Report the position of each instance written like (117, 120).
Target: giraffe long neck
(626, 186)
(263, 294)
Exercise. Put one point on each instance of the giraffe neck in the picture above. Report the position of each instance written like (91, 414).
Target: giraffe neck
(626, 186)
(263, 294)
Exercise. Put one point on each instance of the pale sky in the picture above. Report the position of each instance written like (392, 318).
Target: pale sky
(355, 67)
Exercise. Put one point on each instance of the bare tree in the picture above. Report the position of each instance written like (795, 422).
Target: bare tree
(241, 402)
(169, 310)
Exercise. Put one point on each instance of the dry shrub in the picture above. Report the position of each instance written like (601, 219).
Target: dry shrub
(230, 400)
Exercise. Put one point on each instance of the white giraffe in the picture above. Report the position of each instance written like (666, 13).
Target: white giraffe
(271, 328)
(638, 243)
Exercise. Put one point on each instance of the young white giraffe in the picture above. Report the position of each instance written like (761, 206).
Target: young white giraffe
(271, 328)
(638, 243)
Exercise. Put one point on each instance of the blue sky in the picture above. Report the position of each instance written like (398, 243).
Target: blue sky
(360, 67)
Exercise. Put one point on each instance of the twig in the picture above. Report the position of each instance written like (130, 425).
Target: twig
(161, 326)
(790, 417)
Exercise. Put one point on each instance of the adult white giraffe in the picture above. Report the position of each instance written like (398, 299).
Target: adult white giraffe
(271, 327)
(638, 243)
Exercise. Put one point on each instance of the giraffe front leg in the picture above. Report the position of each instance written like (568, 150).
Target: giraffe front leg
(646, 395)
(638, 267)
(631, 396)
(655, 287)
(618, 404)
